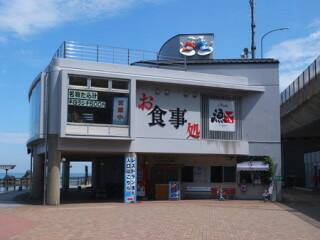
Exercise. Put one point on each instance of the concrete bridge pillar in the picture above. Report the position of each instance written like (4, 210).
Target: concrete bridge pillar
(53, 181)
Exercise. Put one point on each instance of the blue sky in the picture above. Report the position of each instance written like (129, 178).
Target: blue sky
(31, 30)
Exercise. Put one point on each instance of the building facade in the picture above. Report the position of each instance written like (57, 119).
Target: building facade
(152, 125)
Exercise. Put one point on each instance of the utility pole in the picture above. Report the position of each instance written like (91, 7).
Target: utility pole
(253, 28)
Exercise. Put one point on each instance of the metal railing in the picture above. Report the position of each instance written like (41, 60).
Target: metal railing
(13, 184)
(79, 181)
(115, 55)
(310, 74)
(9, 184)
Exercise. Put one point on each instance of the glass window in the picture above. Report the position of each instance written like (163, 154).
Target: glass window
(35, 104)
(99, 82)
(120, 85)
(245, 177)
(216, 174)
(229, 174)
(187, 174)
(99, 107)
(77, 81)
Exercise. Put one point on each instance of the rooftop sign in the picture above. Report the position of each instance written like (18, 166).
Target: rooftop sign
(191, 45)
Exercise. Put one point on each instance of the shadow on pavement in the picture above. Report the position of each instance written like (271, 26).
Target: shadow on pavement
(304, 204)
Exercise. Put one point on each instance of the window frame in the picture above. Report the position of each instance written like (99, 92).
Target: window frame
(223, 174)
(88, 87)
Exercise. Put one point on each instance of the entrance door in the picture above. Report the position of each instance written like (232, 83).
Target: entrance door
(160, 176)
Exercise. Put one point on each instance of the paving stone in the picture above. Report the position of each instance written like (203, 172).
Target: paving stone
(194, 219)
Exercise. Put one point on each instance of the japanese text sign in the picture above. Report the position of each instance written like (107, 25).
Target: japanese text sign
(120, 111)
(222, 115)
(130, 180)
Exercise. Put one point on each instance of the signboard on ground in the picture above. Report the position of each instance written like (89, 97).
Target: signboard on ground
(174, 190)
(130, 179)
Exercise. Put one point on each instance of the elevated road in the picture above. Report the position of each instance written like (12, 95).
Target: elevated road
(300, 122)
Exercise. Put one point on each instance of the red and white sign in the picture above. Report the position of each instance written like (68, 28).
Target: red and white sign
(222, 115)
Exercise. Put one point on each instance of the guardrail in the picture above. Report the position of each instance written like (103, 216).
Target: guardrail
(310, 74)
(13, 184)
(78, 181)
(114, 55)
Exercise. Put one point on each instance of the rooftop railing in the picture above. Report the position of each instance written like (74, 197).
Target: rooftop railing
(115, 55)
(310, 74)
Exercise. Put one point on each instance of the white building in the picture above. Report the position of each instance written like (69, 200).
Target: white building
(185, 119)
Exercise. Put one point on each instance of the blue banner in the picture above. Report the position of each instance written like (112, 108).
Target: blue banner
(130, 179)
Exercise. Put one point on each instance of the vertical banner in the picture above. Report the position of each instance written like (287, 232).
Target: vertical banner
(130, 178)
(120, 111)
(222, 115)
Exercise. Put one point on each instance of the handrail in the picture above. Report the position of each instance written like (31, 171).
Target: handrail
(312, 72)
(115, 55)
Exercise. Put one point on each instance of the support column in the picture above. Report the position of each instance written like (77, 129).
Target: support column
(94, 174)
(130, 178)
(37, 178)
(53, 182)
(65, 175)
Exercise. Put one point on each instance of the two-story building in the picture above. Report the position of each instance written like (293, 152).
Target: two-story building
(181, 117)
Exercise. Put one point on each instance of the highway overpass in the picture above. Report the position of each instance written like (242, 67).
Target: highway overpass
(300, 123)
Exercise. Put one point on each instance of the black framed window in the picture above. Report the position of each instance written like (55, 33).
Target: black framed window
(87, 106)
(78, 81)
(187, 174)
(99, 82)
(216, 174)
(123, 85)
(229, 174)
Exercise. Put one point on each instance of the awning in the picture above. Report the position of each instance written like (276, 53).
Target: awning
(252, 166)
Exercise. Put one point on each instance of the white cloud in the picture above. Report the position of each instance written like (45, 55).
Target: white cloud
(25, 17)
(315, 23)
(14, 138)
(295, 55)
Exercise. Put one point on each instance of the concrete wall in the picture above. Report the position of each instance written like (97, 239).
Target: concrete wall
(261, 111)
(257, 84)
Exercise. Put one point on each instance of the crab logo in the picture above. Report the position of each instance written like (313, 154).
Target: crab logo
(196, 45)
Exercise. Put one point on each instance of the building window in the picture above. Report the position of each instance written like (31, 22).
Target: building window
(78, 81)
(221, 174)
(123, 85)
(229, 174)
(245, 177)
(99, 82)
(187, 174)
(216, 174)
(35, 105)
(97, 107)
